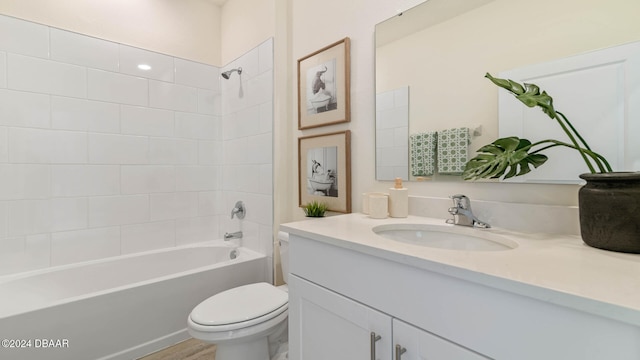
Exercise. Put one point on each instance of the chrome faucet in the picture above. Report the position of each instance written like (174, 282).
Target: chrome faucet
(234, 235)
(239, 210)
(462, 214)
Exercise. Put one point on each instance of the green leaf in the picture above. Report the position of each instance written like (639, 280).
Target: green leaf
(529, 94)
(506, 157)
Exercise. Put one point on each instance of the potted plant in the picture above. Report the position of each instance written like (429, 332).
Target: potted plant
(315, 209)
(609, 203)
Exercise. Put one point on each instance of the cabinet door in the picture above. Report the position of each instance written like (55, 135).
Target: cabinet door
(420, 344)
(325, 325)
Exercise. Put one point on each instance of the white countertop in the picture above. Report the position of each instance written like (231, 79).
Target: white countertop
(556, 269)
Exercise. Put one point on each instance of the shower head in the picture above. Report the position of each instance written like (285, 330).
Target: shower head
(227, 74)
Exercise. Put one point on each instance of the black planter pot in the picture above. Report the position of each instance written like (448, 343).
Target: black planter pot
(609, 207)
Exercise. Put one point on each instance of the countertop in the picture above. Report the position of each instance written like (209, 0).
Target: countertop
(559, 269)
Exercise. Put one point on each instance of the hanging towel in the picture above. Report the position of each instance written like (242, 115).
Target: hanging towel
(453, 150)
(422, 153)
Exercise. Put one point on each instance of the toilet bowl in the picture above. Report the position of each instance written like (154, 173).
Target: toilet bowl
(248, 322)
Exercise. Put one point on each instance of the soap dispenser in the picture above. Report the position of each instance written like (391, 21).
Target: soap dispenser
(398, 200)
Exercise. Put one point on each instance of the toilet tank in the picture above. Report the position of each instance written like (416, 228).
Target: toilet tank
(283, 239)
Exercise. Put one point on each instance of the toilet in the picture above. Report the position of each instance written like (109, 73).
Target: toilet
(248, 322)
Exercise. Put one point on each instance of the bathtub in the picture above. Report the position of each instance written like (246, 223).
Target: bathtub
(117, 308)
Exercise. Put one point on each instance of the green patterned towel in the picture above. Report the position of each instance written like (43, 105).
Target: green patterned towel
(453, 150)
(422, 153)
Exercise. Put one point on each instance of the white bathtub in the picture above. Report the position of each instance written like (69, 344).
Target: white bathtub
(118, 308)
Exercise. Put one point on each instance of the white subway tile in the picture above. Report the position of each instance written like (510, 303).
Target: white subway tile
(195, 126)
(385, 101)
(26, 38)
(4, 205)
(266, 179)
(198, 75)
(69, 214)
(117, 88)
(26, 217)
(24, 109)
(247, 122)
(143, 179)
(259, 149)
(172, 97)
(266, 117)
(235, 151)
(3, 69)
(84, 115)
(24, 181)
(265, 52)
(173, 151)
(210, 152)
(85, 180)
(118, 210)
(207, 101)
(4, 144)
(196, 178)
(45, 76)
(210, 203)
(25, 253)
(118, 149)
(74, 48)
(160, 67)
(192, 230)
(149, 236)
(47, 146)
(84, 245)
(174, 205)
(260, 89)
(138, 120)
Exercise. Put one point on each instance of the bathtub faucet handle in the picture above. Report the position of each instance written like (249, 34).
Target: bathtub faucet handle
(239, 210)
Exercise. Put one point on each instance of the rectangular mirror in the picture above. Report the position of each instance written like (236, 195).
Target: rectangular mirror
(440, 50)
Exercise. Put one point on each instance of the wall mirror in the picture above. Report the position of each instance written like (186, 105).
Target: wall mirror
(431, 61)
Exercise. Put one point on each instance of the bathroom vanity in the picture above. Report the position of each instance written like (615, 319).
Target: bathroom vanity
(354, 294)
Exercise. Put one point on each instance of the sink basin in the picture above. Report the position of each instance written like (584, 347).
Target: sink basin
(445, 237)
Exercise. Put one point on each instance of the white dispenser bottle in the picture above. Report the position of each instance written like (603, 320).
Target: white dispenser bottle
(398, 200)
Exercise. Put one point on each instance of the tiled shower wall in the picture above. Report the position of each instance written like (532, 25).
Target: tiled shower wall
(99, 158)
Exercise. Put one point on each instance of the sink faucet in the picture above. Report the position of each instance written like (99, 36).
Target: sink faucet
(462, 214)
(239, 210)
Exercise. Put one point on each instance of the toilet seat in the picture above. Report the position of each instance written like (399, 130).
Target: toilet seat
(240, 307)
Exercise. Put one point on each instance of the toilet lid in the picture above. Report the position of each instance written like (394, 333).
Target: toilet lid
(240, 304)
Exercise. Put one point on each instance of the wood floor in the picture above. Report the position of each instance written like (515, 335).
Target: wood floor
(191, 349)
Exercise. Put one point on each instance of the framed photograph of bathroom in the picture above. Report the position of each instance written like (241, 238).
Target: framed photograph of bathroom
(324, 165)
(323, 86)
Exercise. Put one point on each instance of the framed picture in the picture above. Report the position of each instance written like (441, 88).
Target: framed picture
(323, 86)
(324, 165)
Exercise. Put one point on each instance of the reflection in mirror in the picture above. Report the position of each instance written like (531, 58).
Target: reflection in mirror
(441, 49)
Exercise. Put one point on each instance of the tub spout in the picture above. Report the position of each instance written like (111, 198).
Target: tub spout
(234, 235)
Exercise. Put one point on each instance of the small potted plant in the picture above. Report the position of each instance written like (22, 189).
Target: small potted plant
(315, 209)
(609, 203)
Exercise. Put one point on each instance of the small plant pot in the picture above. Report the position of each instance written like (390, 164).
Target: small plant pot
(609, 206)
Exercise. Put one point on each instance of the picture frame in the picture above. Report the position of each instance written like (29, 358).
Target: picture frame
(324, 170)
(324, 81)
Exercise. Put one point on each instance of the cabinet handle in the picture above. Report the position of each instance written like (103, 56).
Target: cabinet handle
(374, 339)
(399, 351)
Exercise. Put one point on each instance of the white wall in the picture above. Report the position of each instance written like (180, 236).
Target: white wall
(99, 158)
(189, 29)
(315, 26)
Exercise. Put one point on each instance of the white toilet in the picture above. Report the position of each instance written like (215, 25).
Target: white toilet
(247, 322)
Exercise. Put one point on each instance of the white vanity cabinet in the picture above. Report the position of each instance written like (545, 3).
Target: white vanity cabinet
(341, 293)
(327, 325)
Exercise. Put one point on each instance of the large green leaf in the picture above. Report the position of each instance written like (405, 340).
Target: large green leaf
(506, 157)
(529, 94)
